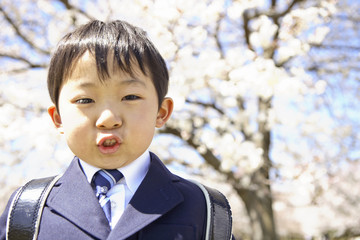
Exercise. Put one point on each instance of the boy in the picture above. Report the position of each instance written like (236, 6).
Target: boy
(108, 85)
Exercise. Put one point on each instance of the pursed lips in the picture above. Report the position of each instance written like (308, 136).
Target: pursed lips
(108, 143)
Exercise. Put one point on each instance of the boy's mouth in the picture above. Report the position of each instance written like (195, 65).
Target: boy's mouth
(109, 144)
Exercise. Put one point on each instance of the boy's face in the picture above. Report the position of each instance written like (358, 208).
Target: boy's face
(108, 124)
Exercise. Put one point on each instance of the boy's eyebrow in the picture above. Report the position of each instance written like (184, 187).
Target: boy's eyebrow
(132, 81)
(87, 85)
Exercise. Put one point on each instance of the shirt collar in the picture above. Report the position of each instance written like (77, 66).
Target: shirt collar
(133, 173)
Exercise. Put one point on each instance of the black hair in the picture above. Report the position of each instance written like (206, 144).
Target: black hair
(126, 42)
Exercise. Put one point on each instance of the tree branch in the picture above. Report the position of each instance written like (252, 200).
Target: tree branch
(208, 155)
(72, 7)
(210, 159)
(241, 106)
(336, 47)
(246, 19)
(22, 59)
(286, 11)
(276, 17)
(253, 13)
(21, 35)
(217, 36)
(206, 105)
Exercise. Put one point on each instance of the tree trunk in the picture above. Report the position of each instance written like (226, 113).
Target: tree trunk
(258, 197)
(258, 203)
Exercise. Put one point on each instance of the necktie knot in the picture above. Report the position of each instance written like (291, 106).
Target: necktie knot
(103, 181)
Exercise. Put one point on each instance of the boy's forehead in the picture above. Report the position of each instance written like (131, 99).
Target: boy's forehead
(87, 64)
(84, 72)
(83, 65)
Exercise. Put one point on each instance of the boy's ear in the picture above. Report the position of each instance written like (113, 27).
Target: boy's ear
(55, 117)
(164, 112)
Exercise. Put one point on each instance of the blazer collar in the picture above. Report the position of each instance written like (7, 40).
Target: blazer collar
(155, 196)
(73, 198)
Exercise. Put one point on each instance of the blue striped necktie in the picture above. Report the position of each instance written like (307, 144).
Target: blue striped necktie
(103, 181)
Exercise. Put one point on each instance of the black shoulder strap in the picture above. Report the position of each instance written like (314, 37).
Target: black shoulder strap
(219, 219)
(26, 209)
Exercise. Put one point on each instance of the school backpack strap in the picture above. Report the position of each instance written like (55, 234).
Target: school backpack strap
(219, 219)
(26, 209)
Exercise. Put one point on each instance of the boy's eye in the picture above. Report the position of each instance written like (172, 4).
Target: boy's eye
(131, 97)
(84, 101)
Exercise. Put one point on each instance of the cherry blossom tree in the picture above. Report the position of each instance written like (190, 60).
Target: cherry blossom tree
(259, 90)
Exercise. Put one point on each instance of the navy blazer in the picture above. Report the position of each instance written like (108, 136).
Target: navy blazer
(165, 206)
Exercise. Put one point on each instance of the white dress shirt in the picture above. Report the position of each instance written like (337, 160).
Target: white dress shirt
(121, 194)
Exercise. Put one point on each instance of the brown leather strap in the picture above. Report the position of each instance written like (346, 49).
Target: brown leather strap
(26, 209)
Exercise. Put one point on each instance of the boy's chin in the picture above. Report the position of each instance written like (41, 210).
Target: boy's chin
(110, 163)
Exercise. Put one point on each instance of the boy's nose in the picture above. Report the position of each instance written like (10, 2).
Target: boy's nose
(108, 120)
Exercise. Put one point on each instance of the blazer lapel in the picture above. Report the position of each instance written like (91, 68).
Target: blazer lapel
(73, 198)
(155, 196)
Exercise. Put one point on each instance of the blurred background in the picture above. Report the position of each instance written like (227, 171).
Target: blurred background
(266, 103)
